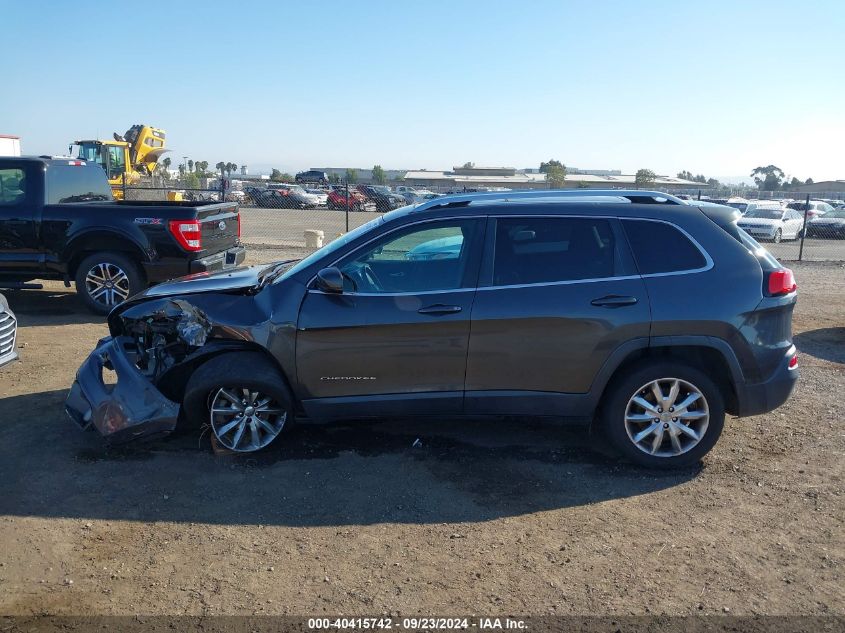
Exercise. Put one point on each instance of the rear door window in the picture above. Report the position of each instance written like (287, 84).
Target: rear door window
(659, 247)
(546, 250)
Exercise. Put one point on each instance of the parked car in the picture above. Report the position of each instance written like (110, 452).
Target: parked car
(339, 199)
(314, 176)
(235, 195)
(321, 196)
(774, 224)
(815, 208)
(8, 333)
(831, 225)
(283, 198)
(300, 195)
(252, 193)
(406, 192)
(563, 306)
(424, 196)
(384, 199)
(58, 220)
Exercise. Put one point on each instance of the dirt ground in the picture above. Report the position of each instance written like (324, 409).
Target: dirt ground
(505, 517)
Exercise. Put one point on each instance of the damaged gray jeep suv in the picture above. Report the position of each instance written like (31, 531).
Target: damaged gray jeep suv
(636, 312)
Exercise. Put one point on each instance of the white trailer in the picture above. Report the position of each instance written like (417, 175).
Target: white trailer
(10, 145)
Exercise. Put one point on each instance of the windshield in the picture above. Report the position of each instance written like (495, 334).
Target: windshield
(742, 206)
(768, 214)
(798, 206)
(331, 247)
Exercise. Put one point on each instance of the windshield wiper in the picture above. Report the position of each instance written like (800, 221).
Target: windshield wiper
(273, 272)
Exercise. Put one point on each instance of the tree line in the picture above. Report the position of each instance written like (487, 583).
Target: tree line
(772, 178)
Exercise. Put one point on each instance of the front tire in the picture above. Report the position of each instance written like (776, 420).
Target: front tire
(663, 415)
(242, 397)
(105, 280)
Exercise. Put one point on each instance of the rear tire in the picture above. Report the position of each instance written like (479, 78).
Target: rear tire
(675, 432)
(105, 280)
(242, 397)
(778, 236)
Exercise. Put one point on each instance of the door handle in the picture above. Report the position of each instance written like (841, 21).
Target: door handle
(439, 309)
(614, 301)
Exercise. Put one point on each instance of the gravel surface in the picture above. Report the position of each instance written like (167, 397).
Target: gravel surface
(496, 517)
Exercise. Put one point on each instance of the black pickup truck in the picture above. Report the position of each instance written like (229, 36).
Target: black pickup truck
(58, 220)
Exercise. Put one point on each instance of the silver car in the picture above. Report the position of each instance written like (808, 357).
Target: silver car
(773, 224)
(8, 333)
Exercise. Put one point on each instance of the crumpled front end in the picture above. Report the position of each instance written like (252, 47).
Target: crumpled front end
(128, 409)
(149, 341)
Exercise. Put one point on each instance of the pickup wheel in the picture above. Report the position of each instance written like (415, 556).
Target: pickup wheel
(242, 397)
(107, 279)
(663, 415)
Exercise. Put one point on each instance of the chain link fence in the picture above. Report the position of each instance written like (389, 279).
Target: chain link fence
(286, 220)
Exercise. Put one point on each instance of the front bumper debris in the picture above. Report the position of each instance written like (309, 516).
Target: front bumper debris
(124, 411)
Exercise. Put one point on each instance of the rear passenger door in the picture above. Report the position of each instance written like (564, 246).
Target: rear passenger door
(558, 294)
(20, 248)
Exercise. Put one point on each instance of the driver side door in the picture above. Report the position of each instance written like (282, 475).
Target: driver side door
(395, 341)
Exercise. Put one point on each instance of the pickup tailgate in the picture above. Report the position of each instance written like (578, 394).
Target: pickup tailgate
(218, 226)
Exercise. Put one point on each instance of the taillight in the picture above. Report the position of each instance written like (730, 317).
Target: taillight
(781, 282)
(793, 362)
(188, 233)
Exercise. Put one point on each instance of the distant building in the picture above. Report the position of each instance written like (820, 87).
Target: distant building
(244, 170)
(10, 145)
(364, 175)
(833, 186)
(511, 178)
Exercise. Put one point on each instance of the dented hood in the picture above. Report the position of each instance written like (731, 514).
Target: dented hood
(242, 278)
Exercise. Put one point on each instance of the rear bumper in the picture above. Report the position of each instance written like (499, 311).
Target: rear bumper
(766, 396)
(166, 269)
(129, 409)
(225, 259)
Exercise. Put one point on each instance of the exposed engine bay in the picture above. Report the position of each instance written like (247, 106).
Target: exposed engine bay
(165, 334)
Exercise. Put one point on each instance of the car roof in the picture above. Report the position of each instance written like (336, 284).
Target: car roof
(50, 160)
(621, 203)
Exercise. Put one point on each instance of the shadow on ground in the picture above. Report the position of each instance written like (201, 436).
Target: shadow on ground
(404, 471)
(53, 305)
(825, 343)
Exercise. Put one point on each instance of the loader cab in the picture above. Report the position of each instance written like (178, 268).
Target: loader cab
(113, 157)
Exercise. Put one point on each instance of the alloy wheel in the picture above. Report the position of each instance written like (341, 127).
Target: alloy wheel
(667, 417)
(107, 284)
(244, 420)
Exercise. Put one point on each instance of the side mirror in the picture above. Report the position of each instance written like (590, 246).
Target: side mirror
(330, 280)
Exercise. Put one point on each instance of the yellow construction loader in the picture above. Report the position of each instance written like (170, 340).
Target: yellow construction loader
(125, 158)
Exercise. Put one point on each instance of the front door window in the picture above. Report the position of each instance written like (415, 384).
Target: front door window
(424, 258)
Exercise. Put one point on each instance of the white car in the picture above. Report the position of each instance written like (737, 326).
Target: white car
(8, 333)
(816, 208)
(772, 223)
(322, 196)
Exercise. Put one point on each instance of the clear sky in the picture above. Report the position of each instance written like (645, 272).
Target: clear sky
(715, 87)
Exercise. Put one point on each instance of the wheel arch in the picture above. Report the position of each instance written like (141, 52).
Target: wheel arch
(173, 382)
(101, 241)
(709, 354)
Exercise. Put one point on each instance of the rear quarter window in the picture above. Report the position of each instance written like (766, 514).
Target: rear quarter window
(67, 183)
(659, 247)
